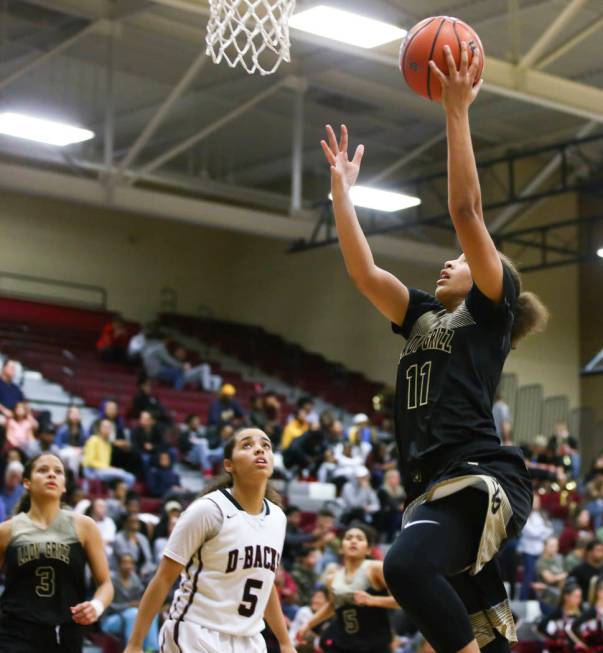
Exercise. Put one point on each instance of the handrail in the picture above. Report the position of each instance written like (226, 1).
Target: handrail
(102, 303)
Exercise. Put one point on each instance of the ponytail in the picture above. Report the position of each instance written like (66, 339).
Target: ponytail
(531, 315)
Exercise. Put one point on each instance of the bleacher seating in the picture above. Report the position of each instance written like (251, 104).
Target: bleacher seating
(274, 355)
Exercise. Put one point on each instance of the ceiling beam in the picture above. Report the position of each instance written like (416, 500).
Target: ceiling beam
(569, 44)
(168, 206)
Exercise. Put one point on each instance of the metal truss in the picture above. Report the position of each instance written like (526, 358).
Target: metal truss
(509, 194)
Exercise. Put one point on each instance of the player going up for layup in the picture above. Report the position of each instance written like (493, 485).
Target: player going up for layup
(467, 493)
(226, 547)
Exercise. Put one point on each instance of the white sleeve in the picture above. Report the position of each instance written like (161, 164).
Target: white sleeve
(201, 521)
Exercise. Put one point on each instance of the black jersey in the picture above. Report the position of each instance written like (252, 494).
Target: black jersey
(356, 627)
(448, 373)
(44, 571)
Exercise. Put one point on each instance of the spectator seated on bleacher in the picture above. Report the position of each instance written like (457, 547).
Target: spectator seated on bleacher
(176, 370)
(379, 461)
(306, 452)
(108, 530)
(162, 479)
(116, 500)
(575, 529)
(555, 625)
(45, 442)
(550, 575)
(195, 447)
(587, 630)
(296, 539)
(225, 409)
(272, 410)
(595, 504)
(120, 616)
(10, 393)
(362, 434)
(590, 568)
(132, 541)
(359, 500)
(97, 457)
(287, 592)
(112, 345)
(21, 429)
(596, 471)
(148, 440)
(531, 545)
(348, 459)
(145, 400)
(565, 446)
(304, 574)
(576, 555)
(540, 460)
(13, 488)
(123, 455)
(392, 496)
(296, 426)
(310, 642)
(70, 439)
(160, 542)
(171, 510)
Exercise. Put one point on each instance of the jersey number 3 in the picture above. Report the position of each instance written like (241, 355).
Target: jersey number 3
(46, 585)
(250, 600)
(418, 385)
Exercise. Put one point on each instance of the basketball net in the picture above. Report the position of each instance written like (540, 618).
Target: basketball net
(253, 34)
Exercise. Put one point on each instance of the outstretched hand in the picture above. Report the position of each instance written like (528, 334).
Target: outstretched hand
(459, 87)
(344, 173)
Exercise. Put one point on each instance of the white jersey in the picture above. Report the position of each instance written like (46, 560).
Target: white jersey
(230, 560)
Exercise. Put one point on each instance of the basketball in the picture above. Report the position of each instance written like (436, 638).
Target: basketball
(425, 41)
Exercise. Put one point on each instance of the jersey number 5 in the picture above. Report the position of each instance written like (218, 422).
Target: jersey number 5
(418, 385)
(249, 598)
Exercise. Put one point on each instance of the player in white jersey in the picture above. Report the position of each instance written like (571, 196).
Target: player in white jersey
(226, 547)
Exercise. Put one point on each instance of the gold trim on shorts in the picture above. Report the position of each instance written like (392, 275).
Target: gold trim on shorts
(498, 617)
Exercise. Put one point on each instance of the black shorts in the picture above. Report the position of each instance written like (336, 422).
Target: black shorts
(18, 636)
(505, 464)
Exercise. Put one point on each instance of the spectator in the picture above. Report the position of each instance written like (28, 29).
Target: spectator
(595, 505)
(13, 488)
(10, 392)
(272, 410)
(112, 345)
(362, 434)
(116, 502)
(391, 499)
(596, 471)
(590, 568)
(502, 419)
(305, 576)
(121, 615)
(145, 400)
(160, 542)
(21, 428)
(97, 457)
(309, 644)
(379, 461)
(162, 479)
(576, 555)
(122, 454)
(358, 498)
(46, 440)
(131, 541)
(296, 426)
(287, 592)
(225, 409)
(70, 439)
(555, 626)
(147, 438)
(306, 452)
(98, 512)
(574, 530)
(531, 545)
(296, 540)
(195, 447)
(587, 630)
(348, 458)
(172, 509)
(550, 574)
(257, 414)
(176, 370)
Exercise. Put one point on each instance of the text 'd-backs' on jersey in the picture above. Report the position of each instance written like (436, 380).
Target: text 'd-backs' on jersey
(230, 559)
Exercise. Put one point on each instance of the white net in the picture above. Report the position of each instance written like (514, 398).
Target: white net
(250, 33)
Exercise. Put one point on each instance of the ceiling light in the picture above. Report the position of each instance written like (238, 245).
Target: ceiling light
(600, 252)
(381, 200)
(42, 130)
(346, 27)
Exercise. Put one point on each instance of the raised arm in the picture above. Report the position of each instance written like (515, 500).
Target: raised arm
(464, 193)
(387, 293)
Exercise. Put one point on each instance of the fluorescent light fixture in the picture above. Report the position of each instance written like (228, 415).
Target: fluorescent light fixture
(381, 200)
(600, 252)
(344, 26)
(42, 130)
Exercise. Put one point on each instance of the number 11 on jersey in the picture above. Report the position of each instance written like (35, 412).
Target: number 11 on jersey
(418, 385)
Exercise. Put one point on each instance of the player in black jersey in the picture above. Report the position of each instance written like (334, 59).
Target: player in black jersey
(358, 599)
(467, 493)
(45, 550)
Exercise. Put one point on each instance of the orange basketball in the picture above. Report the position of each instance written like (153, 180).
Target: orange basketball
(425, 41)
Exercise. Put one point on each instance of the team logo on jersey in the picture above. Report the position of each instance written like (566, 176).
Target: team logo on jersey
(439, 339)
(263, 557)
(49, 550)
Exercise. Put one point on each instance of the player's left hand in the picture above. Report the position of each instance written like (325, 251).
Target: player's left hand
(84, 613)
(459, 88)
(362, 598)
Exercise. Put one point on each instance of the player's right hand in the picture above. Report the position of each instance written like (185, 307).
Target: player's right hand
(344, 173)
(301, 633)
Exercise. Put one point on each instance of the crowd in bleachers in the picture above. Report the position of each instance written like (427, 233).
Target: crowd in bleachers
(123, 472)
